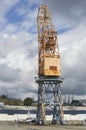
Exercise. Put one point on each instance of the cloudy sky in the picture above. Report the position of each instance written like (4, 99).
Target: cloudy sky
(18, 45)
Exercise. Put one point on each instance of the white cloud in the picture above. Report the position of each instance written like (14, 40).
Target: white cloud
(5, 6)
(18, 52)
(73, 46)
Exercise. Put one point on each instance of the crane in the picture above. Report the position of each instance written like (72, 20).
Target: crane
(49, 57)
(49, 69)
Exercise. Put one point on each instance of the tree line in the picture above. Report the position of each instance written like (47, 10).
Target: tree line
(16, 102)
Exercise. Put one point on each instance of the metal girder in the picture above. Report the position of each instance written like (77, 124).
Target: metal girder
(49, 94)
(48, 51)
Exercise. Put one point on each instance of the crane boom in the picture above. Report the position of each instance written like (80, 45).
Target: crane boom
(49, 57)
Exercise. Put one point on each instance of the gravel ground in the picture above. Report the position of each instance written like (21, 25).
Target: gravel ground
(15, 126)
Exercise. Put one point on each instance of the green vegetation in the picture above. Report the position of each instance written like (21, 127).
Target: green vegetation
(10, 101)
(16, 102)
(28, 101)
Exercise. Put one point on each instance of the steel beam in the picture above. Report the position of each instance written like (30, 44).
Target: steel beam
(49, 94)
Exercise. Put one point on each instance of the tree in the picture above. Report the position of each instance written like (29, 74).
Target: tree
(28, 101)
(4, 96)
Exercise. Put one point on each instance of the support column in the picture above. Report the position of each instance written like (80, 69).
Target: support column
(40, 117)
(49, 94)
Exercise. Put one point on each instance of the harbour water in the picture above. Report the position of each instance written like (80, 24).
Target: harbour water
(48, 112)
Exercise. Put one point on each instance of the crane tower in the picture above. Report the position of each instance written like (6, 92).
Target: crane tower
(49, 69)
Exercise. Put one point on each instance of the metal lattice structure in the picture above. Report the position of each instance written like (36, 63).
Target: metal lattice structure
(48, 49)
(49, 69)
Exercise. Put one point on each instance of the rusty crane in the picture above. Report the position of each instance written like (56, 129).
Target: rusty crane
(49, 69)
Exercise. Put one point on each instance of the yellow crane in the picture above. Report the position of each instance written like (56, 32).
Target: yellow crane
(49, 68)
(49, 57)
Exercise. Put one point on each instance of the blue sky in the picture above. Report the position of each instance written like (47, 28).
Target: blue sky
(19, 45)
(19, 11)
